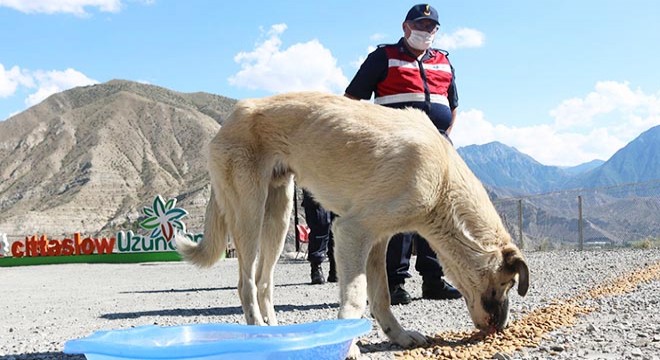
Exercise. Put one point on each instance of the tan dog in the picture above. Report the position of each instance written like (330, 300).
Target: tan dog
(383, 171)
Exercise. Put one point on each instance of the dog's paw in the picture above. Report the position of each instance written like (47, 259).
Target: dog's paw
(408, 339)
(353, 352)
(269, 322)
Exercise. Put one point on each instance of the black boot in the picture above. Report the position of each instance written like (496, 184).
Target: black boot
(317, 274)
(439, 290)
(332, 275)
(399, 295)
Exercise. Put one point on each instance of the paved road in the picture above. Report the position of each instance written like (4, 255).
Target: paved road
(41, 307)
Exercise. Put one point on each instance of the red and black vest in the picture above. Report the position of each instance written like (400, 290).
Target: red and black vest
(409, 80)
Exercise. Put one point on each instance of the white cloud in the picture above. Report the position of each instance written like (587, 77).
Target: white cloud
(584, 128)
(301, 66)
(39, 83)
(51, 82)
(461, 38)
(608, 97)
(11, 79)
(76, 7)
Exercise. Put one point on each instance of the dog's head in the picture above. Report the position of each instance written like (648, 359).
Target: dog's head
(487, 292)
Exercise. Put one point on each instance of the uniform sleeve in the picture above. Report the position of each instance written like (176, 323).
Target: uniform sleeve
(372, 71)
(452, 93)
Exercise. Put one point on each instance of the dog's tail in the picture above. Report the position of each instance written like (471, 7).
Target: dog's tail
(214, 244)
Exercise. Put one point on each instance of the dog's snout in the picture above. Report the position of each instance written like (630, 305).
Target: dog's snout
(498, 312)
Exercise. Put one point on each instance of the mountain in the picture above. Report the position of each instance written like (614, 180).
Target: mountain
(501, 166)
(582, 168)
(505, 169)
(548, 196)
(638, 161)
(88, 159)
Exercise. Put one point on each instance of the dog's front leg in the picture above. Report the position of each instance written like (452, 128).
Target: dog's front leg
(352, 245)
(379, 299)
(351, 250)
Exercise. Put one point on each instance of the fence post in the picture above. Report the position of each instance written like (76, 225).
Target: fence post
(580, 234)
(520, 225)
(295, 217)
(4, 245)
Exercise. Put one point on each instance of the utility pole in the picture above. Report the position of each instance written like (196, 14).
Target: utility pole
(580, 233)
(520, 225)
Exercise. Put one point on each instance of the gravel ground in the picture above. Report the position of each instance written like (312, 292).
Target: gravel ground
(41, 307)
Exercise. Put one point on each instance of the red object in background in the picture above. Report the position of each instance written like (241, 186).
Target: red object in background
(303, 233)
(303, 237)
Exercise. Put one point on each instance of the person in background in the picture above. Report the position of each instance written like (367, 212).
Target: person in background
(412, 74)
(321, 241)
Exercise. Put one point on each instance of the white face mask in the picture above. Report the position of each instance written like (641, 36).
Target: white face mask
(420, 40)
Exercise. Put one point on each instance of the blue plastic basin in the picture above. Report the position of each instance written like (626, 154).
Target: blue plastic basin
(329, 339)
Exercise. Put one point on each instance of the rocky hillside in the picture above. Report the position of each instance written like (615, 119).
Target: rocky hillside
(613, 213)
(88, 159)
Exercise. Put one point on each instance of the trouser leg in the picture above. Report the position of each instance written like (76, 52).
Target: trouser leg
(399, 251)
(319, 222)
(427, 262)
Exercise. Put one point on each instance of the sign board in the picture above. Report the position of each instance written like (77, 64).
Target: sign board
(162, 221)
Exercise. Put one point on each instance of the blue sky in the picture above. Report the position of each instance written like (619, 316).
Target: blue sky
(563, 81)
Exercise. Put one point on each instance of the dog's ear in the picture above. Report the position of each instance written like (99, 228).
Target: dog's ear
(514, 262)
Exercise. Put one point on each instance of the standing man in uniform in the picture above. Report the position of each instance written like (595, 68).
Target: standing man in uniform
(412, 74)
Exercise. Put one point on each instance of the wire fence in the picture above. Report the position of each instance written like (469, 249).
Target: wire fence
(614, 216)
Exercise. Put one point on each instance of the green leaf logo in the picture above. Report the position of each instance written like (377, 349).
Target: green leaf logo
(162, 218)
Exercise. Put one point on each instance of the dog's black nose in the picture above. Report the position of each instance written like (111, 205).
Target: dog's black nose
(498, 311)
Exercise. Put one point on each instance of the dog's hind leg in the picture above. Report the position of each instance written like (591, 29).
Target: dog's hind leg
(273, 234)
(379, 300)
(246, 224)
